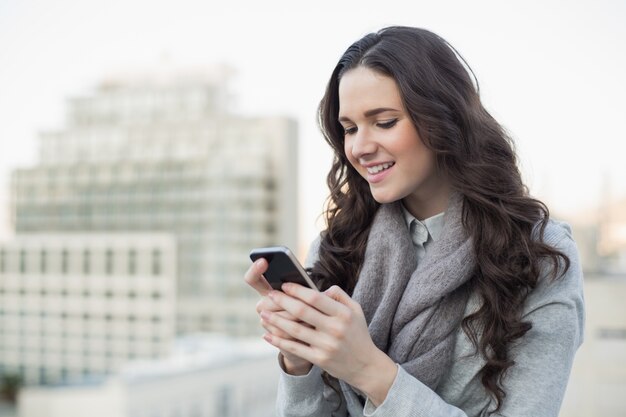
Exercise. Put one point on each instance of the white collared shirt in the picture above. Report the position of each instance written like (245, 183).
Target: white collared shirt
(423, 232)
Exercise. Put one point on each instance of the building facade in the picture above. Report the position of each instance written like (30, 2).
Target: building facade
(166, 155)
(76, 305)
(597, 384)
(210, 378)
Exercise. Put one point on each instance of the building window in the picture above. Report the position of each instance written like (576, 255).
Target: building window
(86, 262)
(612, 333)
(43, 377)
(3, 260)
(132, 262)
(156, 262)
(108, 262)
(64, 261)
(22, 261)
(224, 401)
(43, 261)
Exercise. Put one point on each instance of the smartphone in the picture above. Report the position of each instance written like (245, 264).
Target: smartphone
(283, 267)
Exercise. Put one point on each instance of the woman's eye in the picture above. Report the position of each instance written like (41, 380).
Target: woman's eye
(388, 124)
(349, 130)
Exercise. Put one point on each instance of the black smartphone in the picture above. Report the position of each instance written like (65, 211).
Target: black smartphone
(283, 267)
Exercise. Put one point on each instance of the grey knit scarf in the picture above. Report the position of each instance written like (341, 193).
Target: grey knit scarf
(414, 311)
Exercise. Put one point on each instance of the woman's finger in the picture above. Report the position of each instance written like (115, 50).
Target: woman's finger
(254, 277)
(320, 300)
(295, 329)
(292, 347)
(336, 293)
(266, 304)
(300, 309)
(274, 330)
(278, 332)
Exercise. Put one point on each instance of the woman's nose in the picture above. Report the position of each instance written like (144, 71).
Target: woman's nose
(363, 144)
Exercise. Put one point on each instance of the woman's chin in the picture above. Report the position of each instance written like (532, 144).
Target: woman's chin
(385, 198)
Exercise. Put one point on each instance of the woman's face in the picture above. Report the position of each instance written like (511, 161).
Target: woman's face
(383, 145)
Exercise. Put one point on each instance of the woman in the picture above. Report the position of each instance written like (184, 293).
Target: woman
(446, 288)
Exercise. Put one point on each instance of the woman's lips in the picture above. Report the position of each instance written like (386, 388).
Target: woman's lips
(376, 177)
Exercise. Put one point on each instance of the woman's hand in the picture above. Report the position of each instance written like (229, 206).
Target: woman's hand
(254, 277)
(336, 337)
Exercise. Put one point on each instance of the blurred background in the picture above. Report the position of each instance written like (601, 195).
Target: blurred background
(147, 146)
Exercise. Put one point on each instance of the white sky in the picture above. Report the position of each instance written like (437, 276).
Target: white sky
(552, 72)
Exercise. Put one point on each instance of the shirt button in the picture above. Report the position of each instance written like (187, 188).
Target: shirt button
(420, 234)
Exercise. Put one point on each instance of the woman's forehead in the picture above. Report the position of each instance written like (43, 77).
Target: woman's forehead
(362, 89)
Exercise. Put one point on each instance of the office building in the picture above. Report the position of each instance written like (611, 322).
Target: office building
(165, 154)
(597, 385)
(204, 377)
(76, 305)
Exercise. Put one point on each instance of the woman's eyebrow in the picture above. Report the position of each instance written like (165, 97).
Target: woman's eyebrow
(370, 113)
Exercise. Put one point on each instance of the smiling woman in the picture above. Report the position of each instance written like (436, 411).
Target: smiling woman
(383, 145)
(446, 289)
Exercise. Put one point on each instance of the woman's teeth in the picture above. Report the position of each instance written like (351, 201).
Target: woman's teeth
(376, 169)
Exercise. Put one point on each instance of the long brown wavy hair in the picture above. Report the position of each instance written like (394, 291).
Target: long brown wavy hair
(478, 158)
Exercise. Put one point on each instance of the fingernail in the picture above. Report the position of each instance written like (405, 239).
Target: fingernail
(267, 337)
(265, 315)
(286, 286)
